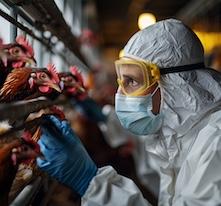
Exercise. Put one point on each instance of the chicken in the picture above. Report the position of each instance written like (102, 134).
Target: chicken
(17, 161)
(18, 54)
(15, 55)
(27, 83)
(9, 160)
(7, 170)
(73, 84)
(28, 168)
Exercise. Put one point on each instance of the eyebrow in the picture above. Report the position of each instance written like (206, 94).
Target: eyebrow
(130, 76)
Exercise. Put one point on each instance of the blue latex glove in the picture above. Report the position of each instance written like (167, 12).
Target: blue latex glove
(65, 158)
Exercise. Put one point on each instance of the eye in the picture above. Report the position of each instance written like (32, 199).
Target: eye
(16, 50)
(70, 79)
(129, 82)
(43, 76)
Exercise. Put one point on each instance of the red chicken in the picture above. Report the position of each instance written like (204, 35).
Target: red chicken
(15, 55)
(18, 53)
(73, 83)
(27, 83)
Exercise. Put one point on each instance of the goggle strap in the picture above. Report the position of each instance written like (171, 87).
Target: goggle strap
(182, 68)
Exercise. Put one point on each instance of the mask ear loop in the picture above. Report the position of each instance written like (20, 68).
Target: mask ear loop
(155, 90)
(153, 93)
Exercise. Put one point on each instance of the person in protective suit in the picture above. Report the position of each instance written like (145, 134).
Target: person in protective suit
(167, 96)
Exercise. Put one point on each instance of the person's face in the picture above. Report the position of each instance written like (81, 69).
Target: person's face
(136, 77)
(133, 78)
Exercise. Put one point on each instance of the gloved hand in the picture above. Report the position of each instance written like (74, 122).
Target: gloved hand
(65, 158)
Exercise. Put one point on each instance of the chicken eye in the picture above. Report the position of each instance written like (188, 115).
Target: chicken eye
(16, 50)
(44, 76)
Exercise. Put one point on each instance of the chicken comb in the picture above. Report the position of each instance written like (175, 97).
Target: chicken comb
(75, 72)
(24, 42)
(52, 70)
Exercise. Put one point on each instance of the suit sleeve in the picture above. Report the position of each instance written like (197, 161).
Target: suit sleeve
(199, 181)
(108, 188)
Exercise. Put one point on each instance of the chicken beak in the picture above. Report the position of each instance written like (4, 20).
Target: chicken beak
(55, 87)
(32, 61)
(81, 89)
(78, 87)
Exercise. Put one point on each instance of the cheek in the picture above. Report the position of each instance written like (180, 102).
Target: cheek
(119, 90)
(149, 90)
(31, 82)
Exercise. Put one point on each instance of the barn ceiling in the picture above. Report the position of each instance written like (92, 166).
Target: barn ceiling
(118, 19)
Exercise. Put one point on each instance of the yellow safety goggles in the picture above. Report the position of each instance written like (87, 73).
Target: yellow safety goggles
(135, 77)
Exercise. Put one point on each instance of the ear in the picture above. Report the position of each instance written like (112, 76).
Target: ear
(31, 82)
(61, 84)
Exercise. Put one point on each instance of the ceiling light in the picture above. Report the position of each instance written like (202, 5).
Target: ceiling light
(145, 20)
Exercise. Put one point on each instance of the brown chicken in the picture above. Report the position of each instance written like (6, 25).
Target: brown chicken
(9, 160)
(28, 83)
(15, 55)
(7, 170)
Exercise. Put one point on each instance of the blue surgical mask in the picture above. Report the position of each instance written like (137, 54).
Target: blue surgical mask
(135, 114)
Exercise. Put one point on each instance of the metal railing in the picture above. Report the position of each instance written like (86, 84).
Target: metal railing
(21, 109)
(71, 54)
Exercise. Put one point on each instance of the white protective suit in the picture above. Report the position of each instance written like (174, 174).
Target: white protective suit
(188, 147)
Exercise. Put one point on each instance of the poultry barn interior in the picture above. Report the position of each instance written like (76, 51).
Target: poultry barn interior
(57, 58)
